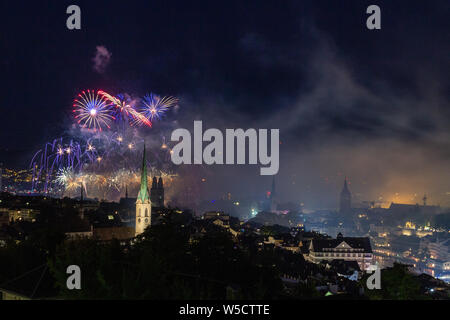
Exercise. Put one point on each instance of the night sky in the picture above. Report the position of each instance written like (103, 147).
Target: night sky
(370, 105)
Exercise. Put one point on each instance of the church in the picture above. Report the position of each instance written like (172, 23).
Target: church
(146, 200)
(341, 248)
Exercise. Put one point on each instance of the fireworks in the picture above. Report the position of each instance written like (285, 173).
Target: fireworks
(99, 161)
(104, 185)
(97, 110)
(155, 106)
(102, 162)
(54, 156)
(92, 110)
(125, 110)
(69, 179)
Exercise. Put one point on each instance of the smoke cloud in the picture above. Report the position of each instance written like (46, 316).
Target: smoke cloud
(101, 59)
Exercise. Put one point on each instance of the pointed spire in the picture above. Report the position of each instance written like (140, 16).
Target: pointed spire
(143, 191)
(345, 188)
(160, 183)
(154, 183)
(345, 203)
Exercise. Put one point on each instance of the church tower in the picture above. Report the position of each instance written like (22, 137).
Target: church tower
(143, 203)
(157, 193)
(154, 191)
(273, 197)
(345, 203)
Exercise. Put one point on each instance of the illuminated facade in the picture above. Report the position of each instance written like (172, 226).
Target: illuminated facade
(157, 193)
(341, 248)
(439, 250)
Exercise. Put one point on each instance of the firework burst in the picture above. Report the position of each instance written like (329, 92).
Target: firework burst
(70, 180)
(125, 110)
(92, 110)
(154, 106)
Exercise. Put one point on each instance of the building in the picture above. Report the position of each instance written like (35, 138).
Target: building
(76, 227)
(80, 232)
(157, 193)
(143, 203)
(23, 214)
(34, 284)
(218, 216)
(123, 233)
(345, 201)
(413, 209)
(127, 208)
(221, 219)
(438, 250)
(341, 248)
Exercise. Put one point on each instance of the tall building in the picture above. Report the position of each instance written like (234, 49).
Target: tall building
(157, 193)
(345, 202)
(143, 203)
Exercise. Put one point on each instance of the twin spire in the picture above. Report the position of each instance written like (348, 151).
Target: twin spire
(157, 184)
(345, 188)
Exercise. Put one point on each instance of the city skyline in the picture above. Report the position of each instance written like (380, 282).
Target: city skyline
(342, 108)
(224, 157)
